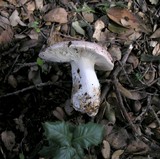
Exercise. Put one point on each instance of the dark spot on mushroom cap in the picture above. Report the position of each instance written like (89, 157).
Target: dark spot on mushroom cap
(69, 43)
(78, 70)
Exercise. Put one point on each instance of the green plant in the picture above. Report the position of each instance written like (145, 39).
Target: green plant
(67, 141)
(35, 26)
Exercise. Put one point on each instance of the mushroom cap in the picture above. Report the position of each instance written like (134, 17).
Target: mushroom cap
(68, 51)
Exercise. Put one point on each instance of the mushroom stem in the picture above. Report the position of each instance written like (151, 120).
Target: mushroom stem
(86, 87)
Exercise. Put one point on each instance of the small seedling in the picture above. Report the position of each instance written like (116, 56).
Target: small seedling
(35, 26)
(68, 141)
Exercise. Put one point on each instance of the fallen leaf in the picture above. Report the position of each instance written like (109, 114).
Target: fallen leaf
(154, 1)
(150, 75)
(34, 75)
(132, 59)
(12, 81)
(8, 138)
(117, 154)
(137, 147)
(78, 28)
(15, 19)
(115, 52)
(39, 4)
(106, 150)
(149, 58)
(98, 26)
(156, 50)
(6, 35)
(125, 18)
(134, 95)
(58, 15)
(89, 17)
(156, 34)
(118, 138)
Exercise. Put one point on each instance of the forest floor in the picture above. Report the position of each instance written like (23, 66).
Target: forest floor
(33, 91)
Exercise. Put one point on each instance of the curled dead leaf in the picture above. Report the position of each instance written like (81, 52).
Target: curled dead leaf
(12, 81)
(134, 95)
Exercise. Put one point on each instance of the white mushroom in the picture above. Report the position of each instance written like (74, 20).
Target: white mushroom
(83, 56)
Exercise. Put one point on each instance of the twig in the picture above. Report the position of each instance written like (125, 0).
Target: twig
(116, 72)
(11, 68)
(122, 107)
(29, 88)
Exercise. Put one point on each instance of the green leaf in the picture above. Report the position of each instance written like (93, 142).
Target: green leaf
(21, 156)
(65, 153)
(40, 62)
(58, 132)
(50, 150)
(86, 135)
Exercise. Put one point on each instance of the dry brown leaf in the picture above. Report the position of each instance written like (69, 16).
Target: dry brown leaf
(98, 26)
(8, 138)
(131, 94)
(115, 52)
(6, 35)
(33, 35)
(137, 147)
(30, 7)
(89, 17)
(117, 154)
(132, 59)
(150, 75)
(156, 34)
(118, 138)
(156, 50)
(58, 15)
(125, 18)
(15, 19)
(39, 4)
(3, 3)
(106, 150)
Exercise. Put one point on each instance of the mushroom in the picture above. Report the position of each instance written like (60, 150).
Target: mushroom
(83, 56)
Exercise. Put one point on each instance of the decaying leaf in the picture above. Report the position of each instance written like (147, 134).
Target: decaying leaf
(8, 138)
(125, 18)
(134, 95)
(34, 75)
(137, 147)
(58, 15)
(59, 113)
(89, 17)
(154, 1)
(150, 75)
(115, 52)
(117, 154)
(6, 32)
(156, 34)
(118, 138)
(106, 150)
(78, 28)
(98, 26)
(39, 4)
(156, 50)
(133, 60)
(12, 81)
(15, 19)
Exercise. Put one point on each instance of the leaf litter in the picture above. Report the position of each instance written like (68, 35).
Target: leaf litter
(34, 92)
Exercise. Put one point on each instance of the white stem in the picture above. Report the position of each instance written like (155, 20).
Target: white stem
(86, 87)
